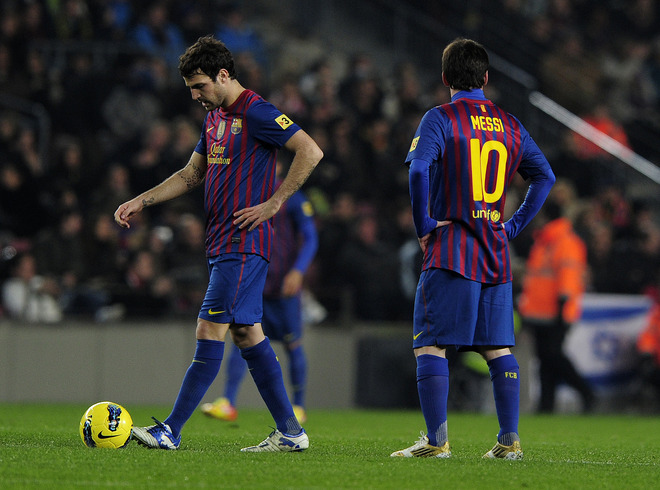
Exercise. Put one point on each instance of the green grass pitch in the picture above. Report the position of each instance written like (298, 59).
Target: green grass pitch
(40, 448)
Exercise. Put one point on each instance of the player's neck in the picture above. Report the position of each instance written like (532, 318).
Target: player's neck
(233, 93)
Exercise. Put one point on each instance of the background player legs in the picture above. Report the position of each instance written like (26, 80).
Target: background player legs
(236, 369)
(224, 408)
(297, 373)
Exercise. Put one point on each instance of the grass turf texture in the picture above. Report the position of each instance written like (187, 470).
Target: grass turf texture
(40, 448)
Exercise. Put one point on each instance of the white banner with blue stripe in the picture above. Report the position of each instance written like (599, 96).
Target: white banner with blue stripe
(602, 343)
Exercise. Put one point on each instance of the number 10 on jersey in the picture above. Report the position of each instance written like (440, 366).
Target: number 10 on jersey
(479, 157)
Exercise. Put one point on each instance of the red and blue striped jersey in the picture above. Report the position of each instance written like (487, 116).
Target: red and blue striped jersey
(240, 144)
(295, 242)
(474, 149)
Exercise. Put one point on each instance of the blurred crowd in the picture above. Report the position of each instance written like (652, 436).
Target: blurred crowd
(121, 120)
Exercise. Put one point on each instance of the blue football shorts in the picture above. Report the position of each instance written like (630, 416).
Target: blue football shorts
(282, 319)
(235, 291)
(453, 310)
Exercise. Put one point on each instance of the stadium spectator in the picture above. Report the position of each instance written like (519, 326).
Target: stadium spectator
(408, 95)
(603, 270)
(73, 20)
(368, 268)
(335, 232)
(381, 167)
(132, 105)
(116, 17)
(639, 18)
(410, 259)
(26, 147)
(114, 189)
(102, 250)
(551, 301)
(621, 68)
(157, 35)
(566, 64)
(72, 169)
(234, 30)
(289, 97)
(39, 87)
(12, 47)
(185, 262)
(22, 210)
(148, 165)
(82, 88)
(36, 22)
(60, 250)
(145, 291)
(28, 295)
(601, 119)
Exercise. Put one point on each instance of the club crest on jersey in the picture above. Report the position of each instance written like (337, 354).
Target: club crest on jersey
(236, 125)
(283, 121)
(221, 129)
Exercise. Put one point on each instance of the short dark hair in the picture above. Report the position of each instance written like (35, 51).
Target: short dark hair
(465, 63)
(208, 55)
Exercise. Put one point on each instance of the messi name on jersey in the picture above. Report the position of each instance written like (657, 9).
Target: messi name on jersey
(485, 123)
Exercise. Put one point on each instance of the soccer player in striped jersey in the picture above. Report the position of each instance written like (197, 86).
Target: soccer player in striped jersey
(294, 247)
(462, 159)
(235, 159)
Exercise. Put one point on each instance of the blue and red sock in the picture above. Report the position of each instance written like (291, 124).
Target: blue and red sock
(505, 376)
(433, 389)
(200, 375)
(267, 374)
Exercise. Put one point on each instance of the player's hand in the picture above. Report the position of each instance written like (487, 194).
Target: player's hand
(292, 283)
(126, 211)
(251, 217)
(424, 241)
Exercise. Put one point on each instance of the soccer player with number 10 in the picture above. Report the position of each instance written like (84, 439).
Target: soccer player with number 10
(462, 159)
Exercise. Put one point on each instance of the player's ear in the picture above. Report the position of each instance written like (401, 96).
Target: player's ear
(486, 78)
(223, 75)
(444, 79)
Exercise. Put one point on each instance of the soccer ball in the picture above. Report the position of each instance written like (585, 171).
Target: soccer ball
(106, 424)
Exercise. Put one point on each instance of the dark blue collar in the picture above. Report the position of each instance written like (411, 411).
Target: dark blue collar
(474, 94)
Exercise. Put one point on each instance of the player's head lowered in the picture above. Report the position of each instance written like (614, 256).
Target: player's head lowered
(464, 65)
(208, 55)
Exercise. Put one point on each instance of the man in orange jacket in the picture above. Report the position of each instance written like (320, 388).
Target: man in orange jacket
(550, 301)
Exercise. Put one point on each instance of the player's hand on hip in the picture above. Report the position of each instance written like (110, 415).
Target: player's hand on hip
(253, 216)
(424, 241)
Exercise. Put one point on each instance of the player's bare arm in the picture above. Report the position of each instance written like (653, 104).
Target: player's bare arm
(307, 155)
(174, 186)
